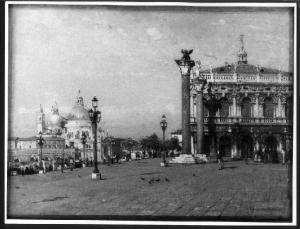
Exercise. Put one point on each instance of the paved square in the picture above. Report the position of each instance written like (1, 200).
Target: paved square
(143, 188)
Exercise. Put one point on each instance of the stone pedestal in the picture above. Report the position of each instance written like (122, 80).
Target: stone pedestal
(189, 159)
(96, 176)
(183, 159)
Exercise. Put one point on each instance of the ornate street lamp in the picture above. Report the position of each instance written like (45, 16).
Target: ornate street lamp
(95, 117)
(83, 141)
(163, 125)
(40, 141)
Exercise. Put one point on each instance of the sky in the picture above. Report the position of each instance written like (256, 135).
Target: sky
(125, 56)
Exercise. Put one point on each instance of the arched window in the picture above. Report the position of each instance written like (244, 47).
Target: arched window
(224, 110)
(246, 108)
(205, 110)
(268, 108)
(289, 108)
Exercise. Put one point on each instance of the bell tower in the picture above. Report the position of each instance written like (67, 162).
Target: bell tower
(242, 54)
(41, 126)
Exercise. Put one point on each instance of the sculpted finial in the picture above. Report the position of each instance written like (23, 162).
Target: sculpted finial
(186, 54)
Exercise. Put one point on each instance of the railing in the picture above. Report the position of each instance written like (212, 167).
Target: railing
(247, 78)
(231, 120)
(254, 78)
(223, 77)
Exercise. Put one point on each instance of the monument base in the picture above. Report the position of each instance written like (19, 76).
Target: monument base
(189, 159)
(183, 159)
(96, 176)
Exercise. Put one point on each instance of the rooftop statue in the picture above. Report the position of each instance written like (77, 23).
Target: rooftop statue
(198, 68)
(186, 54)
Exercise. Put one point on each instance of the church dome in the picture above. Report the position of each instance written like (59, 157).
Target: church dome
(79, 112)
(55, 120)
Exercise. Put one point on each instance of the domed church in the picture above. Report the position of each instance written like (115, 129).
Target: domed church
(70, 127)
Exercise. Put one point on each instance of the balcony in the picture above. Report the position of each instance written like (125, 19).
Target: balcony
(246, 121)
(248, 78)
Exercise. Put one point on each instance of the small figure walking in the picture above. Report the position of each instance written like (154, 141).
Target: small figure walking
(22, 169)
(220, 159)
(44, 166)
(71, 164)
(283, 156)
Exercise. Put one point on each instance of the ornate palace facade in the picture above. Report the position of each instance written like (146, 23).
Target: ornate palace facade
(247, 108)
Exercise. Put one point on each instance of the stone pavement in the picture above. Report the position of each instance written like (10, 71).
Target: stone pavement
(143, 188)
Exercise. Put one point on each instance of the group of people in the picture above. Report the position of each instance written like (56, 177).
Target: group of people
(263, 155)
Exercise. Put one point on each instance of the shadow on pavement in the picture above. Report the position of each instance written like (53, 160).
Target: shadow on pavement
(230, 167)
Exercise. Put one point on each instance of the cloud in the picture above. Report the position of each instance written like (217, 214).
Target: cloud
(171, 108)
(220, 22)
(24, 110)
(154, 33)
(122, 33)
(210, 55)
(254, 27)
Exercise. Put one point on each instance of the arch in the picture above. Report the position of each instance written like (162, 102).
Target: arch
(225, 146)
(205, 109)
(246, 107)
(289, 108)
(207, 145)
(268, 107)
(224, 110)
(270, 149)
(246, 143)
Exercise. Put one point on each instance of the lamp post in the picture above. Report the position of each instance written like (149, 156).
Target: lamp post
(83, 141)
(185, 64)
(95, 117)
(40, 141)
(163, 125)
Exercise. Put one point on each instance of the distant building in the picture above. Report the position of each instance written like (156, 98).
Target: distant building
(61, 134)
(254, 110)
(26, 148)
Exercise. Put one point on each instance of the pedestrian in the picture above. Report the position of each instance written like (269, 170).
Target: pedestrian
(283, 156)
(246, 156)
(265, 154)
(290, 156)
(22, 167)
(54, 165)
(71, 164)
(259, 155)
(62, 165)
(220, 159)
(118, 157)
(44, 166)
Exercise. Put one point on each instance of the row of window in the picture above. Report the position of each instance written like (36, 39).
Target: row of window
(268, 108)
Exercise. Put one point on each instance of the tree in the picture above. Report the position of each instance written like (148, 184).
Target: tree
(173, 144)
(151, 143)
